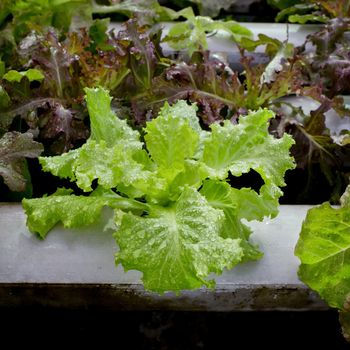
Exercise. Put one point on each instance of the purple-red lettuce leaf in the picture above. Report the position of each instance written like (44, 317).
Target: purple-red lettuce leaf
(100, 61)
(15, 147)
(63, 128)
(328, 63)
(265, 83)
(334, 8)
(54, 103)
(52, 119)
(47, 53)
(18, 18)
(143, 53)
(208, 82)
(314, 121)
(219, 92)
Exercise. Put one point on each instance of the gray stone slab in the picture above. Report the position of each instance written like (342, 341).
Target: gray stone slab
(75, 268)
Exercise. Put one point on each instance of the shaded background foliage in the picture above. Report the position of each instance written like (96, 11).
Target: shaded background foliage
(72, 52)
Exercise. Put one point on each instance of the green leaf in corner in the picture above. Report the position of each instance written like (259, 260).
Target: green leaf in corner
(324, 251)
(177, 247)
(345, 198)
(30, 74)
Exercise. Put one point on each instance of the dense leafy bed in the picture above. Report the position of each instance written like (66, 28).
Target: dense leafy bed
(160, 139)
(45, 70)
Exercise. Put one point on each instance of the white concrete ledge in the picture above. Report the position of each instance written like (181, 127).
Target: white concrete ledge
(75, 268)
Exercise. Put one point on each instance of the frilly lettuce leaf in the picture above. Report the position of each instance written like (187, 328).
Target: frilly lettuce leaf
(248, 145)
(234, 204)
(109, 165)
(61, 166)
(107, 156)
(182, 220)
(110, 128)
(96, 161)
(171, 139)
(177, 247)
(44, 213)
(323, 249)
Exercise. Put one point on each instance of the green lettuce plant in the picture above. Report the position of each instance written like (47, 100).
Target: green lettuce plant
(177, 218)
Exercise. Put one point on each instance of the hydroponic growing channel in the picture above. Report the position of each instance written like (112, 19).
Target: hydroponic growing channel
(189, 131)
